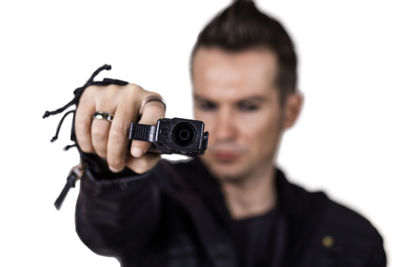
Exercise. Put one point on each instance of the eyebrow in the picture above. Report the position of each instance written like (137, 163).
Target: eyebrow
(255, 98)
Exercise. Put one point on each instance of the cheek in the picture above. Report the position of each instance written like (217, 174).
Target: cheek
(260, 131)
(207, 118)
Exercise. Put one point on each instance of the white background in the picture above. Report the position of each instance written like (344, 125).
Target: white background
(345, 143)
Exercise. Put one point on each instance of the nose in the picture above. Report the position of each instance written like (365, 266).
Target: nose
(225, 129)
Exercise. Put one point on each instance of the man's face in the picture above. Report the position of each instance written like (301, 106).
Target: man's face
(235, 95)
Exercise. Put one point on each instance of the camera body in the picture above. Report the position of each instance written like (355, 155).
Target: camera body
(172, 136)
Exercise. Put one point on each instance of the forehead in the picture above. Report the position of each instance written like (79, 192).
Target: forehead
(219, 73)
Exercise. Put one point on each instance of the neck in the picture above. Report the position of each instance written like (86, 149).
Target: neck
(252, 195)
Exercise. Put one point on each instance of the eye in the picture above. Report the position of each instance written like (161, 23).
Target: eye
(206, 105)
(247, 106)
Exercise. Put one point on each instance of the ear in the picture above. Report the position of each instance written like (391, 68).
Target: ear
(292, 108)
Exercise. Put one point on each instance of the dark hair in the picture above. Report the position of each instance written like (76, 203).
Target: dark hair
(242, 26)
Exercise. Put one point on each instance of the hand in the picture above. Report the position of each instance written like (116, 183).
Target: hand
(109, 139)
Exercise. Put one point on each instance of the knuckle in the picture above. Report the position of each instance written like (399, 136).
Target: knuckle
(135, 87)
(90, 90)
(98, 133)
(129, 95)
(111, 90)
(152, 93)
(156, 94)
(119, 130)
(101, 94)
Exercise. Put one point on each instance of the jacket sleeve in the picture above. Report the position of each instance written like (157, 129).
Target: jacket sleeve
(116, 213)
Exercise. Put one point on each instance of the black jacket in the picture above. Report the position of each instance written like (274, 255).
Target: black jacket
(171, 217)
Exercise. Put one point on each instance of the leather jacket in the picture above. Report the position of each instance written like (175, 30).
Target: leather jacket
(165, 218)
(171, 216)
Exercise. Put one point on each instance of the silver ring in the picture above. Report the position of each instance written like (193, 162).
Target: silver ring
(151, 98)
(101, 115)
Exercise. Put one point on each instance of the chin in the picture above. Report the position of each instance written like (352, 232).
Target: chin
(226, 172)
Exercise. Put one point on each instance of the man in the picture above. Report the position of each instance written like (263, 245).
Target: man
(231, 206)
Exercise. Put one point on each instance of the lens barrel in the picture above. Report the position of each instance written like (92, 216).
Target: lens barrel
(183, 134)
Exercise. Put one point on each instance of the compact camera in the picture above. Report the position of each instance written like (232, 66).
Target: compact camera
(172, 136)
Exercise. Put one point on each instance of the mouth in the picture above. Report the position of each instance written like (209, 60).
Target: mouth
(225, 156)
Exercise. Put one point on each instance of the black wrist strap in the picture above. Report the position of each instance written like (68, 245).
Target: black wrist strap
(77, 95)
(73, 177)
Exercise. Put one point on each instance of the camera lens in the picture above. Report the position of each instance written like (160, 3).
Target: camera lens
(183, 134)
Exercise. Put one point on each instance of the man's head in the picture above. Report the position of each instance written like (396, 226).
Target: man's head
(244, 69)
(242, 26)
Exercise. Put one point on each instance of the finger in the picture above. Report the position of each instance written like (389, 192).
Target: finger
(152, 111)
(83, 122)
(144, 163)
(117, 144)
(100, 129)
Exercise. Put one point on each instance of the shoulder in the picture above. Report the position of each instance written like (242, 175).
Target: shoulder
(348, 233)
(350, 227)
(346, 220)
(332, 215)
(333, 228)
